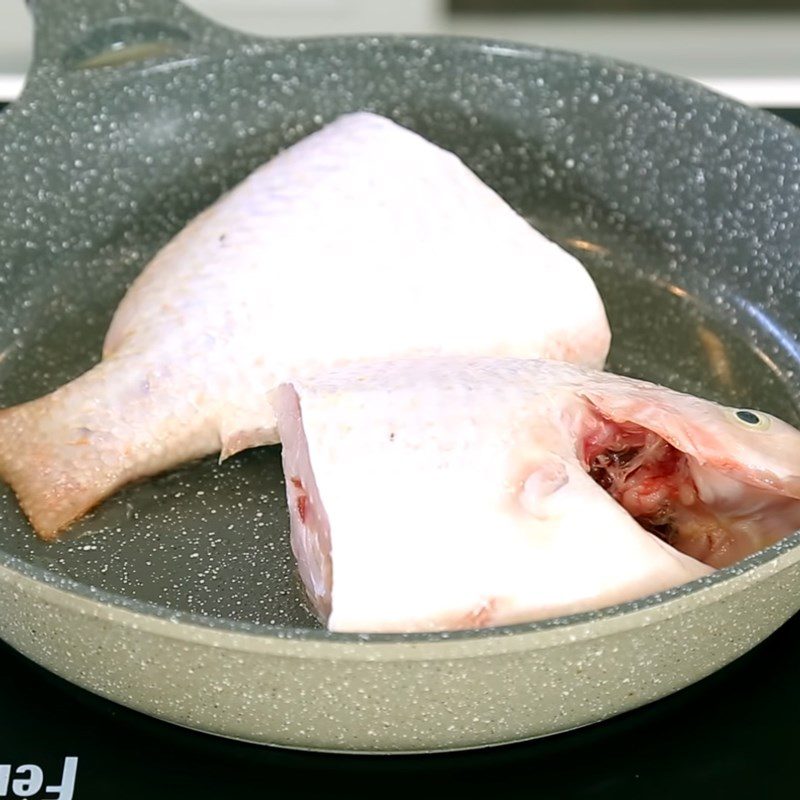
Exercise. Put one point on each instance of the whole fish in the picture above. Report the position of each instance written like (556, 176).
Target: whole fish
(461, 493)
(362, 241)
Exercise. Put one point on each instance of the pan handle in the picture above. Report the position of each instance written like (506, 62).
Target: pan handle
(77, 35)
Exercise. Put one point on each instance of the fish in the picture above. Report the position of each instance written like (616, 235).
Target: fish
(455, 493)
(361, 241)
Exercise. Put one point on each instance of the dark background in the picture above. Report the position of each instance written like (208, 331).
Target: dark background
(735, 734)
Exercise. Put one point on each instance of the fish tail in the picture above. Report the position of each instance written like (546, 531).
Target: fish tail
(36, 460)
(63, 453)
(67, 451)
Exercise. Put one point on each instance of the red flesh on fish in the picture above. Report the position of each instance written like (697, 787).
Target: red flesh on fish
(652, 481)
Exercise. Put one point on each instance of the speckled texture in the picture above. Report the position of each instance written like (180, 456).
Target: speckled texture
(684, 206)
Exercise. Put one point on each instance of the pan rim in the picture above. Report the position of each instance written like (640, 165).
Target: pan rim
(253, 45)
(225, 625)
(150, 610)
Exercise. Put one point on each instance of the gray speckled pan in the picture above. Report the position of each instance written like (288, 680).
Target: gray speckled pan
(177, 596)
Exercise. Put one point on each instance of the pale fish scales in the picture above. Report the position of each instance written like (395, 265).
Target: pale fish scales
(361, 241)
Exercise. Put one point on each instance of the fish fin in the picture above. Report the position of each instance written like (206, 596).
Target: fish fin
(51, 493)
(542, 480)
(243, 439)
(248, 428)
(64, 453)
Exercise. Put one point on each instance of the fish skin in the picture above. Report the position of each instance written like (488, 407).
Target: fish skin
(378, 242)
(452, 493)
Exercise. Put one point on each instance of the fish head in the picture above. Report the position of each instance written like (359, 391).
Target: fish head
(716, 482)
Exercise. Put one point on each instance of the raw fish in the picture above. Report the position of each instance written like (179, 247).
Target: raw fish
(362, 241)
(462, 493)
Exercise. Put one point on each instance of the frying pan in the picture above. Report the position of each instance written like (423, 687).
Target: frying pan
(178, 596)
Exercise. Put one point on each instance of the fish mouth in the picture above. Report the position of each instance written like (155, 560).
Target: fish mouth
(706, 512)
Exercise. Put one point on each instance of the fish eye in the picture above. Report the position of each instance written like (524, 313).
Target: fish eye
(751, 419)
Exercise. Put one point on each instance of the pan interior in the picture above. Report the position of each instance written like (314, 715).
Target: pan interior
(213, 539)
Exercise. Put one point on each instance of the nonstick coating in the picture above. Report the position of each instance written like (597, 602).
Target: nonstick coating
(683, 205)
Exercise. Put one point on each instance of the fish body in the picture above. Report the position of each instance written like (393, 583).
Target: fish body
(362, 241)
(459, 493)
